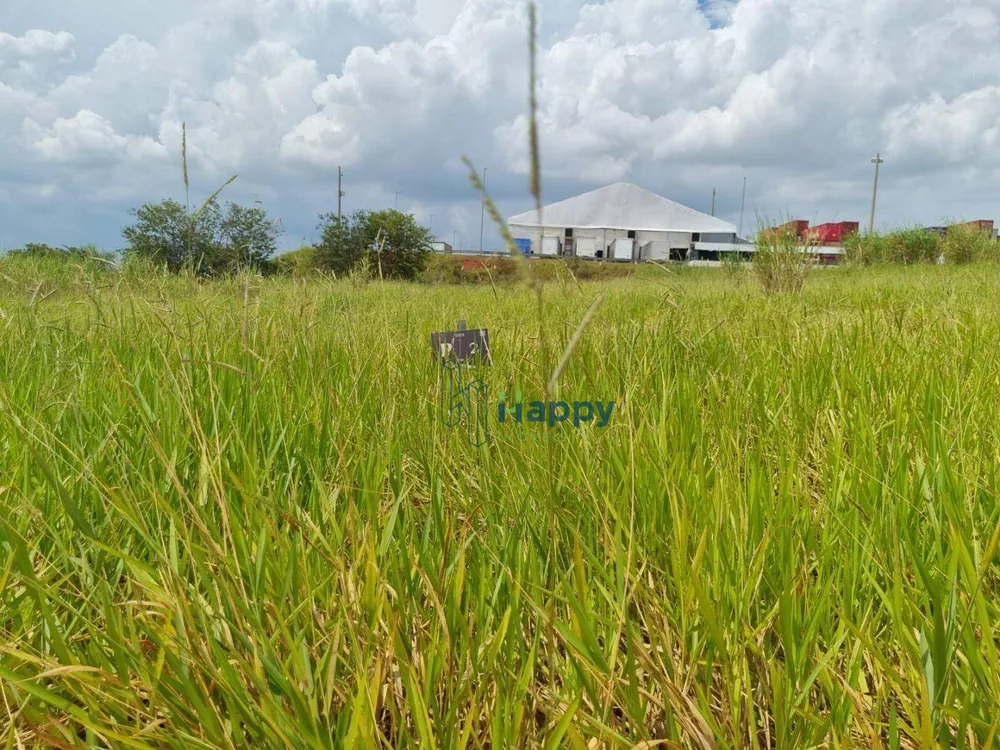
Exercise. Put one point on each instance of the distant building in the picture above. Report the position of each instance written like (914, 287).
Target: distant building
(623, 222)
(985, 225)
(442, 247)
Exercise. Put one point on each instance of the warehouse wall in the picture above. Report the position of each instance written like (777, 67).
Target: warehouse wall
(725, 238)
(605, 237)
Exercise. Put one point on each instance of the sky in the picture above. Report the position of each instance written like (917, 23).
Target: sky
(678, 96)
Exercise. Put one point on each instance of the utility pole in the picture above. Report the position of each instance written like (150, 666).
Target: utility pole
(743, 203)
(454, 240)
(713, 201)
(431, 227)
(397, 199)
(871, 220)
(340, 195)
(482, 213)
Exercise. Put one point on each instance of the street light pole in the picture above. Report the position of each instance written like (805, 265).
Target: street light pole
(713, 201)
(397, 199)
(743, 202)
(340, 195)
(431, 227)
(482, 213)
(871, 220)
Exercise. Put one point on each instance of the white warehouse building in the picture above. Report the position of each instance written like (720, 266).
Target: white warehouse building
(624, 222)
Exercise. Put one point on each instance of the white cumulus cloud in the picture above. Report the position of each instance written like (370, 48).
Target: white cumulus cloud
(681, 96)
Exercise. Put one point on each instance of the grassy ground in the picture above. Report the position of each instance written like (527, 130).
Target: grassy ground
(230, 515)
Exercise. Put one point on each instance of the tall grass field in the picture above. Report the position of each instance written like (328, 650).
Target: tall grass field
(231, 514)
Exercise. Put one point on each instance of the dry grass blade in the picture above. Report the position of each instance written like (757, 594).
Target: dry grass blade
(496, 218)
(211, 199)
(573, 342)
(184, 162)
(536, 160)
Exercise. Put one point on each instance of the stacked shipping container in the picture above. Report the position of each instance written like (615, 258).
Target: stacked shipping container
(833, 233)
(796, 228)
(830, 234)
(985, 224)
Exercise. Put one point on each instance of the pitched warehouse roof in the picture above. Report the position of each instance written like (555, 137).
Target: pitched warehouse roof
(623, 206)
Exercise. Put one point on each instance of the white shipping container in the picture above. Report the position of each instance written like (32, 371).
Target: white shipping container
(586, 247)
(655, 250)
(550, 246)
(623, 249)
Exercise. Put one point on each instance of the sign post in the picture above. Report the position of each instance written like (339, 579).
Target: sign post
(463, 345)
(457, 350)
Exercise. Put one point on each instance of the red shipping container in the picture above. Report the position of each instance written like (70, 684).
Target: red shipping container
(821, 233)
(985, 224)
(847, 228)
(797, 228)
(833, 233)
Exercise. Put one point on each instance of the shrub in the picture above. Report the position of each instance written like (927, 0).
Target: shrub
(866, 249)
(907, 246)
(782, 261)
(966, 243)
(902, 246)
(41, 250)
(137, 268)
(963, 243)
(391, 242)
(246, 240)
(298, 263)
(452, 269)
(592, 270)
(734, 267)
(209, 242)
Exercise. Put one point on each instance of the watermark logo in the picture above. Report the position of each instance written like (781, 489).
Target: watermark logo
(552, 413)
(465, 398)
(465, 403)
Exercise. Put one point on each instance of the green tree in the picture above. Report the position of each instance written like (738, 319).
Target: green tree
(340, 248)
(165, 234)
(246, 238)
(390, 240)
(211, 241)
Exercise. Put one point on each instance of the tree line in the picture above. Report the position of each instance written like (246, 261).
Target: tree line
(223, 239)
